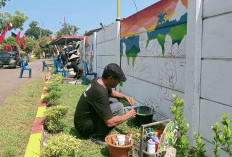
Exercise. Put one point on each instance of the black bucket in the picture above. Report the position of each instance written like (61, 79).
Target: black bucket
(144, 115)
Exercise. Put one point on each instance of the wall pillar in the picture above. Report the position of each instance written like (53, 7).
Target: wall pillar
(95, 51)
(117, 55)
(193, 67)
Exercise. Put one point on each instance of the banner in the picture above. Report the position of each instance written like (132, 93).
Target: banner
(4, 32)
(17, 37)
(25, 46)
(21, 41)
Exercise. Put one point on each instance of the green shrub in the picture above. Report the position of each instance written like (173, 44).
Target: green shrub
(182, 144)
(57, 78)
(54, 86)
(61, 146)
(217, 138)
(52, 98)
(53, 121)
(222, 136)
(199, 146)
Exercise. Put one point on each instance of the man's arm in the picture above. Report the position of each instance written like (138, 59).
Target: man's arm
(120, 119)
(116, 94)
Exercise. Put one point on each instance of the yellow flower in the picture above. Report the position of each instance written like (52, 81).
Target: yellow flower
(138, 134)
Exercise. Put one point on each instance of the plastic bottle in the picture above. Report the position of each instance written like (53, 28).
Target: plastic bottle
(151, 146)
(130, 136)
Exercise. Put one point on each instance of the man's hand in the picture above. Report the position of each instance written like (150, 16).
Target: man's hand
(130, 100)
(131, 113)
(115, 120)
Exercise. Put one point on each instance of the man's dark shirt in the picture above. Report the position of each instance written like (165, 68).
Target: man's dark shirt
(92, 107)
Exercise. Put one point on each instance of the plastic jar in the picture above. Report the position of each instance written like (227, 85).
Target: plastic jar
(151, 146)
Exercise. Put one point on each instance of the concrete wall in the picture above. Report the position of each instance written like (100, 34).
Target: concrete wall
(208, 73)
(90, 52)
(153, 43)
(216, 72)
(107, 48)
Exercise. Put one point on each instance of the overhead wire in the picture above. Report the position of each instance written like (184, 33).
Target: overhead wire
(135, 5)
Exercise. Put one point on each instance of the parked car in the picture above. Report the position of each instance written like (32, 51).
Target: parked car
(9, 59)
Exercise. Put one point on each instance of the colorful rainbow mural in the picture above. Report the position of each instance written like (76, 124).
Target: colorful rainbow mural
(166, 17)
(149, 18)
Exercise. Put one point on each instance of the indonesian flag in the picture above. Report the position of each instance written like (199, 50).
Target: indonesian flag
(17, 37)
(51, 38)
(25, 46)
(21, 41)
(4, 32)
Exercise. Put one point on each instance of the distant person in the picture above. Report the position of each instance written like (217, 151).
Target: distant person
(96, 113)
(64, 58)
(73, 68)
(59, 57)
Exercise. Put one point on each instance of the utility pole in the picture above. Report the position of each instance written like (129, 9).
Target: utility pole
(64, 26)
(41, 31)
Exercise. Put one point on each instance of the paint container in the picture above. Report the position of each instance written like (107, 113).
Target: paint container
(121, 140)
(144, 115)
(151, 146)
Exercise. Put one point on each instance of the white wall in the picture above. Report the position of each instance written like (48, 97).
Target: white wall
(209, 62)
(106, 47)
(216, 73)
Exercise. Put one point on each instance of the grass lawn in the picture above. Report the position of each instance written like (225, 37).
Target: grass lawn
(17, 117)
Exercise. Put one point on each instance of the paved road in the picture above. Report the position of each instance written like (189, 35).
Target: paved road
(10, 81)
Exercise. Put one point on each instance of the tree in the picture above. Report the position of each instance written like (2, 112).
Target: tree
(36, 32)
(18, 20)
(67, 29)
(30, 45)
(3, 3)
(9, 41)
(44, 44)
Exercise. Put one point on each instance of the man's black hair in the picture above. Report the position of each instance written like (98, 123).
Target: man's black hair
(115, 71)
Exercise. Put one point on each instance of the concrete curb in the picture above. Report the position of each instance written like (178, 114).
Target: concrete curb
(34, 144)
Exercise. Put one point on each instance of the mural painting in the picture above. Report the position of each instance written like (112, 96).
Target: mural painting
(152, 48)
(89, 52)
(81, 48)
